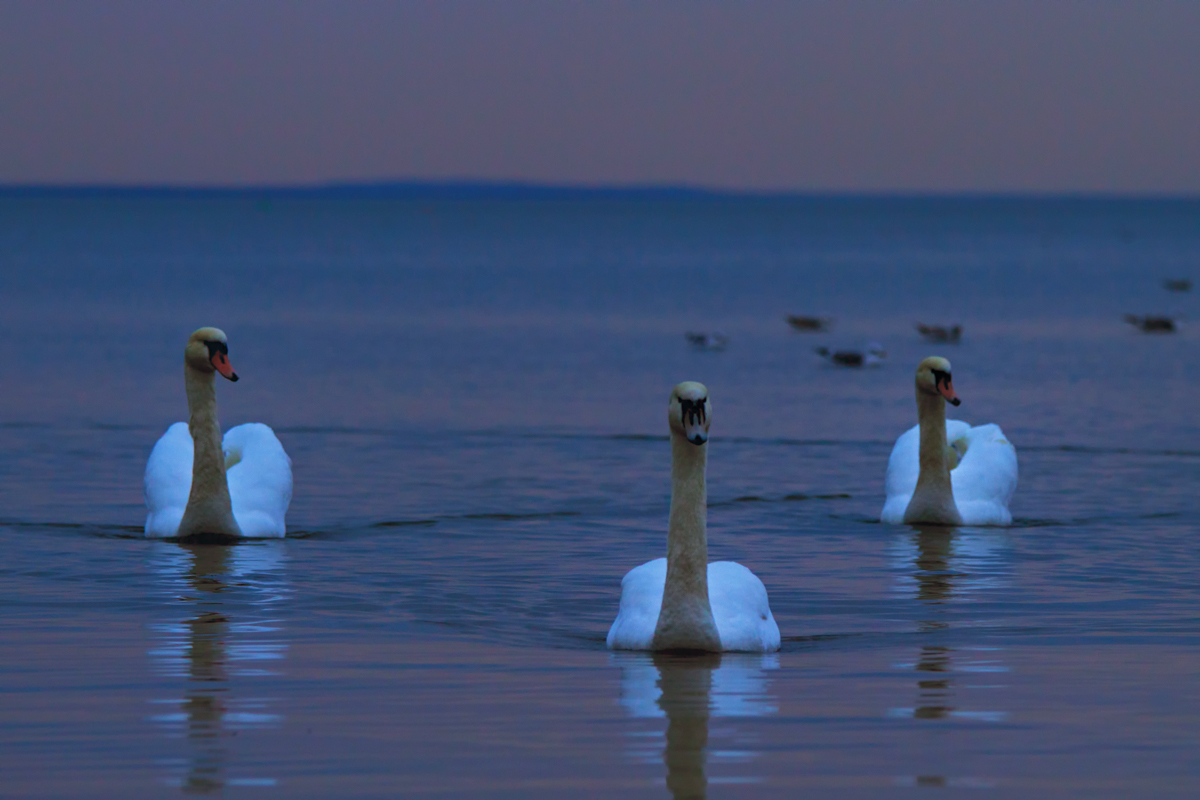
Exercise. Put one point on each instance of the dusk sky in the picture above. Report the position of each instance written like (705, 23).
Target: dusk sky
(919, 95)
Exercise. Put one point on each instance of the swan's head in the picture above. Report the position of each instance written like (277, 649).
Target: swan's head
(208, 351)
(933, 378)
(690, 411)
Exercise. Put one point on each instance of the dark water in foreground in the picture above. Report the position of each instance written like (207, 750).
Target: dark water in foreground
(473, 391)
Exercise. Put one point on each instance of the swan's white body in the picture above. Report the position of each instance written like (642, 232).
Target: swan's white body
(682, 602)
(944, 472)
(258, 471)
(983, 482)
(737, 597)
(200, 482)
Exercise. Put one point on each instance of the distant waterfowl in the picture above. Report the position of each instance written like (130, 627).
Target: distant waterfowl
(801, 323)
(1151, 324)
(938, 333)
(1178, 284)
(873, 355)
(682, 602)
(198, 482)
(945, 472)
(707, 341)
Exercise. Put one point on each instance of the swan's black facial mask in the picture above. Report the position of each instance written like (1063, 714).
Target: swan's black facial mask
(694, 416)
(944, 386)
(218, 356)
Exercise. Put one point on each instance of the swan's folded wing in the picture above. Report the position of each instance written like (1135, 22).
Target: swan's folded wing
(168, 481)
(641, 602)
(904, 465)
(956, 428)
(740, 609)
(986, 477)
(259, 473)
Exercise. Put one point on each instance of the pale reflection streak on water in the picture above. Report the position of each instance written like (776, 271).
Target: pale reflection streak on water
(692, 691)
(940, 566)
(218, 641)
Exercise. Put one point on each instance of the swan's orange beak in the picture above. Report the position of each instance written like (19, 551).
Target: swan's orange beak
(946, 389)
(220, 362)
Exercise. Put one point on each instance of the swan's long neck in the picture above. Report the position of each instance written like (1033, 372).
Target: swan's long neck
(208, 509)
(686, 621)
(933, 499)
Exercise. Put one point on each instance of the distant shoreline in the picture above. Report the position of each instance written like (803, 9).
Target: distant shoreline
(549, 191)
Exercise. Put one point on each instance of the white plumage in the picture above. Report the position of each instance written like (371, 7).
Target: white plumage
(982, 483)
(258, 471)
(737, 597)
(714, 607)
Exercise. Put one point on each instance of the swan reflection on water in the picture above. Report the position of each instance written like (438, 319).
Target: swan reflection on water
(225, 595)
(689, 690)
(940, 565)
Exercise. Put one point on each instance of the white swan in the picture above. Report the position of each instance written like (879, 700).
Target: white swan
(238, 486)
(943, 471)
(682, 602)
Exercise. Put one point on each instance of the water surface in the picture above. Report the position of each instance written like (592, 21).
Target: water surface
(472, 389)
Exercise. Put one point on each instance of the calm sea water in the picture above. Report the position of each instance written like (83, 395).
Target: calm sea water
(472, 388)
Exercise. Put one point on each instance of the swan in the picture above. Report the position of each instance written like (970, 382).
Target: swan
(945, 472)
(682, 602)
(239, 485)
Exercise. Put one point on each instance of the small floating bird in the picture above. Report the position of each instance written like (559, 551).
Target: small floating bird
(938, 333)
(682, 602)
(198, 482)
(873, 355)
(715, 341)
(1149, 324)
(1178, 284)
(945, 472)
(809, 323)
